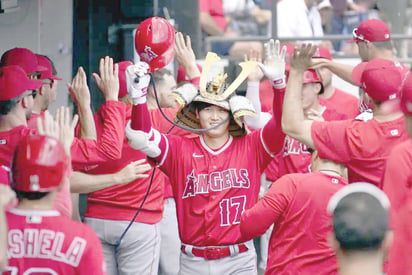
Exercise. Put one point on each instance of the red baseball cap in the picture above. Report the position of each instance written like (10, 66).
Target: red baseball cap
(322, 52)
(122, 77)
(14, 82)
(406, 98)
(379, 78)
(24, 58)
(311, 76)
(371, 30)
(48, 74)
(181, 74)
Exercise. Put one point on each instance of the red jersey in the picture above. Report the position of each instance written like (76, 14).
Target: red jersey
(43, 242)
(295, 157)
(298, 244)
(397, 184)
(32, 121)
(215, 9)
(342, 102)
(362, 147)
(213, 188)
(163, 126)
(120, 202)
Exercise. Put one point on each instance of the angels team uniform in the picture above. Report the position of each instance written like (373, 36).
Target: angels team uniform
(298, 244)
(342, 102)
(362, 147)
(397, 184)
(211, 189)
(110, 210)
(295, 157)
(83, 151)
(169, 233)
(32, 121)
(44, 242)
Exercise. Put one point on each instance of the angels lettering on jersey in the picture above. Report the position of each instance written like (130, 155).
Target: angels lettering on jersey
(294, 147)
(215, 181)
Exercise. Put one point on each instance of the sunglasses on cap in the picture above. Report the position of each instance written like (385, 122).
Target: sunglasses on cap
(358, 37)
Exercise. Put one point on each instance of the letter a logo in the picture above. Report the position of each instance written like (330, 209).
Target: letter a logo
(148, 54)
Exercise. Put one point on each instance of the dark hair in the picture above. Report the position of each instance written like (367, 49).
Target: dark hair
(30, 195)
(7, 105)
(360, 222)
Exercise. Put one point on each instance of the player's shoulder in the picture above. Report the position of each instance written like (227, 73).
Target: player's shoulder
(403, 148)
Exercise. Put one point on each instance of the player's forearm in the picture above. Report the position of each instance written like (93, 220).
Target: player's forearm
(85, 183)
(255, 221)
(343, 71)
(292, 114)
(272, 133)
(87, 125)
(252, 93)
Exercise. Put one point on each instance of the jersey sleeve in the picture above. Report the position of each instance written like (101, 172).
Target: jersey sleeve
(110, 144)
(272, 133)
(256, 220)
(331, 140)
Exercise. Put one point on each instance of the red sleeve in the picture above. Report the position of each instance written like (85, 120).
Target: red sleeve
(331, 141)
(110, 144)
(256, 220)
(272, 134)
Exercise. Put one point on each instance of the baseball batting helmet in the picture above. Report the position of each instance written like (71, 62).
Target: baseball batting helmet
(311, 76)
(154, 42)
(39, 164)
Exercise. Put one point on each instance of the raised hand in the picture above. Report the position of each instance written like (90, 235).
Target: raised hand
(47, 126)
(185, 55)
(302, 57)
(274, 63)
(108, 78)
(257, 74)
(138, 80)
(79, 91)
(66, 126)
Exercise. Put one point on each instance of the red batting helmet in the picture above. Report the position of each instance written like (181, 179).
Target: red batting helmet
(311, 76)
(39, 164)
(154, 42)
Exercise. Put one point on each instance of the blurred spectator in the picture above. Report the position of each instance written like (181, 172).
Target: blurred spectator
(213, 23)
(246, 18)
(361, 235)
(325, 11)
(347, 14)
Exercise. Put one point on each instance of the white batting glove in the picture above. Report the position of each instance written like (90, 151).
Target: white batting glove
(138, 80)
(274, 65)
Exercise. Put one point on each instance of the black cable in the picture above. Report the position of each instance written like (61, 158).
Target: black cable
(154, 169)
(151, 177)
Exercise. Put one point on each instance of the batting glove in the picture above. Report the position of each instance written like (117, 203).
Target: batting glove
(274, 65)
(137, 79)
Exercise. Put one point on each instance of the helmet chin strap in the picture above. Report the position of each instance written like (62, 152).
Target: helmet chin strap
(174, 123)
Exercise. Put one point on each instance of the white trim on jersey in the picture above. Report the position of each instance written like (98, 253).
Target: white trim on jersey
(202, 141)
(264, 145)
(27, 212)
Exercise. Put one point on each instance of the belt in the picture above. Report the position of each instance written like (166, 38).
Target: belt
(214, 252)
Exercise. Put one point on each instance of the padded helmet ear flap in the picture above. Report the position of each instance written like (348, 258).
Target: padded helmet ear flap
(154, 42)
(39, 164)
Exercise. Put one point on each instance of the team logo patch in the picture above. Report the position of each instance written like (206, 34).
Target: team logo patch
(147, 55)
